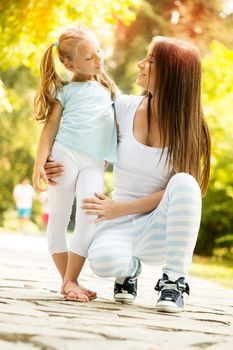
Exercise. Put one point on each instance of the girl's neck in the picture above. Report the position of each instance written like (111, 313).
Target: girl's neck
(82, 78)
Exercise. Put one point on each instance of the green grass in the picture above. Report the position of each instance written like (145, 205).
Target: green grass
(214, 269)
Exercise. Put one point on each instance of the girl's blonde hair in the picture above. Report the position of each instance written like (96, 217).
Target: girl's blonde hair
(176, 101)
(50, 82)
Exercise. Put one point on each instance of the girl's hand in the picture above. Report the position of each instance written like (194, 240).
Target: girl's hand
(102, 206)
(53, 169)
(38, 175)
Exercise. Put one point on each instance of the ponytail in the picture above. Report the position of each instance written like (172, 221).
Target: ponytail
(50, 84)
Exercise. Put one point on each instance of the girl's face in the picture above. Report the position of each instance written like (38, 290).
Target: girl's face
(89, 58)
(146, 74)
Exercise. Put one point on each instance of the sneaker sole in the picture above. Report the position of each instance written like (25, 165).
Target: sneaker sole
(169, 309)
(124, 299)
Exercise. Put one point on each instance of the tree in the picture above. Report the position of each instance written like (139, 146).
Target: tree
(217, 219)
(17, 133)
(26, 26)
(198, 21)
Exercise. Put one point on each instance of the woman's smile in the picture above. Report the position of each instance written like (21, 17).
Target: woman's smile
(141, 74)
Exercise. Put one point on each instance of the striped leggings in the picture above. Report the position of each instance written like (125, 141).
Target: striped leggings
(165, 236)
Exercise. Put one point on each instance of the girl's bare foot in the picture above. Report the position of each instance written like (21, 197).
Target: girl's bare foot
(89, 293)
(73, 292)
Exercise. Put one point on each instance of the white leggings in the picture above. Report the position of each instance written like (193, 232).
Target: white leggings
(165, 236)
(82, 177)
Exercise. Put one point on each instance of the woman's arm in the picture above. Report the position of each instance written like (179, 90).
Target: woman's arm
(46, 141)
(106, 208)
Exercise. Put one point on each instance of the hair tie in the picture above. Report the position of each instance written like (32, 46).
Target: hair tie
(56, 43)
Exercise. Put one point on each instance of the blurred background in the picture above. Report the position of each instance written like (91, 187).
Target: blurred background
(124, 28)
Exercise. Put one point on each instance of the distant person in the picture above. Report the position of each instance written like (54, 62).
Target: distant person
(80, 129)
(44, 201)
(23, 195)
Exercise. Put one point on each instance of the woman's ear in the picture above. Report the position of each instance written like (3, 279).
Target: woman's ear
(68, 65)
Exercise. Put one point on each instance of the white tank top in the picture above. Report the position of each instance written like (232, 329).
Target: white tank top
(139, 171)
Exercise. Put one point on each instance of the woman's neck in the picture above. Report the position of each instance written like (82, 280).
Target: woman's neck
(152, 107)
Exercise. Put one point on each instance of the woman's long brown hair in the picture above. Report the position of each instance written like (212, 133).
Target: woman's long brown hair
(50, 82)
(176, 101)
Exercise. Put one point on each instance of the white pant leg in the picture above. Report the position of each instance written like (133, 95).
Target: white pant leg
(171, 231)
(111, 252)
(90, 180)
(61, 199)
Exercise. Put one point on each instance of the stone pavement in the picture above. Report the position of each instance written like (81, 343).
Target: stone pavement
(33, 315)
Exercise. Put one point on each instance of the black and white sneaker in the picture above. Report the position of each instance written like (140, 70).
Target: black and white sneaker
(171, 297)
(126, 291)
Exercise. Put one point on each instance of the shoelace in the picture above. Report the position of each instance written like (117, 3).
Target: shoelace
(170, 294)
(127, 286)
(176, 286)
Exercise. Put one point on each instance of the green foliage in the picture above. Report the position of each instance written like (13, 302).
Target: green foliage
(17, 133)
(198, 21)
(214, 269)
(224, 247)
(108, 183)
(217, 218)
(26, 26)
(225, 241)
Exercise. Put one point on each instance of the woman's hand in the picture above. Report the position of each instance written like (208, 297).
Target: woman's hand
(53, 169)
(102, 206)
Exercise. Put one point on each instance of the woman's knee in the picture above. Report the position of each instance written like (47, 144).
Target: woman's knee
(108, 263)
(184, 182)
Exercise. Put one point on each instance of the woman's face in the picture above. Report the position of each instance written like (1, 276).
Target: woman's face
(146, 74)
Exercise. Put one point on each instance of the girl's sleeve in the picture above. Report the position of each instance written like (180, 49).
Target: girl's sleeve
(61, 97)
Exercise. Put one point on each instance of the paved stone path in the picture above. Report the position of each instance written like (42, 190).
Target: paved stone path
(33, 315)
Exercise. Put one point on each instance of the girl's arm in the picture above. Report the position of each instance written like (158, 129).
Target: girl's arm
(106, 208)
(46, 141)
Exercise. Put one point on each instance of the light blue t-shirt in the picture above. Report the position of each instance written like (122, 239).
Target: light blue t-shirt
(88, 123)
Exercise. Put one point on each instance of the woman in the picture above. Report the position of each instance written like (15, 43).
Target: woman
(163, 161)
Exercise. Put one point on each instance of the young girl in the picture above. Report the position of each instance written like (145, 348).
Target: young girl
(85, 139)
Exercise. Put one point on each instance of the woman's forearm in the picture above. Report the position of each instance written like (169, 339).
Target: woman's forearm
(140, 205)
(106, 208)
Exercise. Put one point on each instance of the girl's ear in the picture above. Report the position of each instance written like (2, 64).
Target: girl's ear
(68, 65)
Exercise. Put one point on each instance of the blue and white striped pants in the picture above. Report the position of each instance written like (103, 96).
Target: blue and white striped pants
(165, 236)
